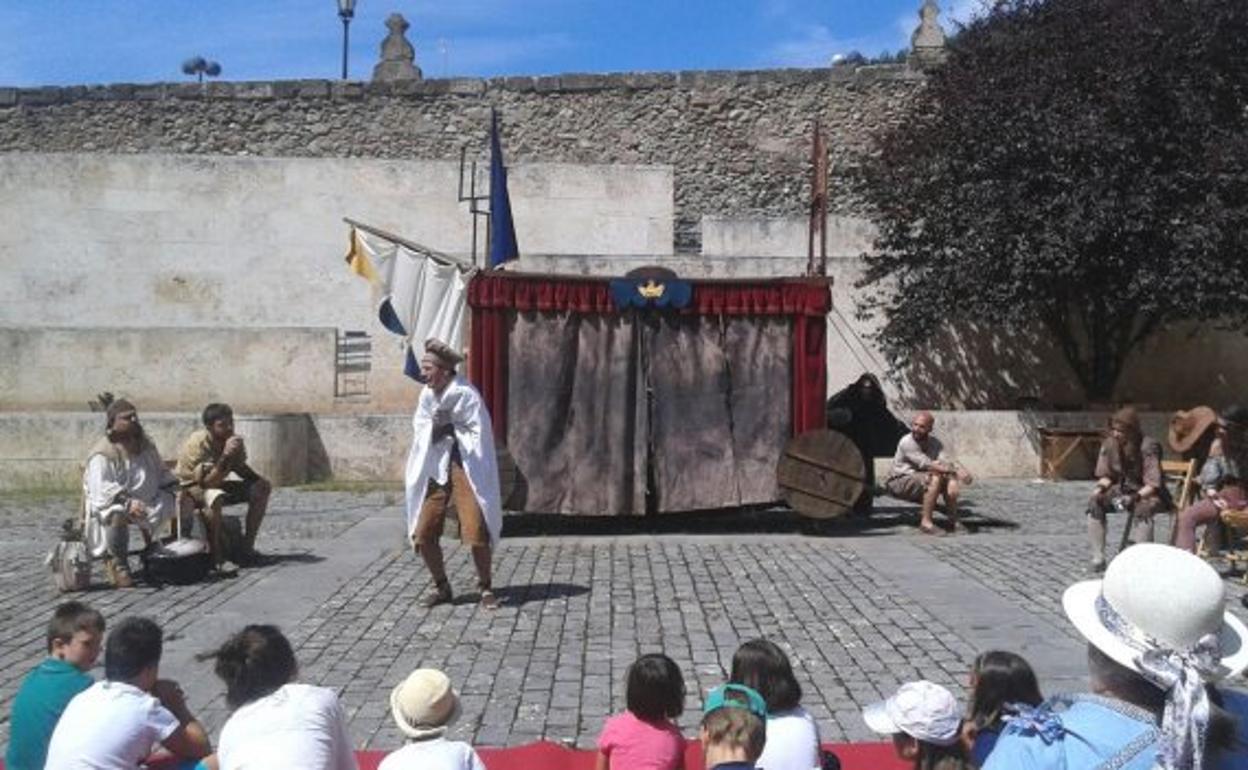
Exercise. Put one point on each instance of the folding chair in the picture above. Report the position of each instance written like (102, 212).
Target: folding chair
(1235, 528)
(1182, 474)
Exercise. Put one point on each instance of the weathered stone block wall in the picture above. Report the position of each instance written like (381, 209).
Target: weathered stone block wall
(273, 369)
(739, 142)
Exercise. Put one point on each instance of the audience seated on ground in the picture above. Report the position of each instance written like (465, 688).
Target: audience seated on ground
(113, 724)
(74, 638)
(923, 472)
(925, 725)
(645, 734)
(125, 483)
(1222, 478)
(734, 728)
(1159, 639)
(792, 735)
(423, 706)
(207, 459)
(274, 721)
(999, 681)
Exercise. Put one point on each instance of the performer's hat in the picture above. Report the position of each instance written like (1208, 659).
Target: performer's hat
(442, 353)
(115, 408)
(1187, 427)
(424, 704)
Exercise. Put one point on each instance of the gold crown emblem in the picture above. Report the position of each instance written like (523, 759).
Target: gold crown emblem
(651, 290)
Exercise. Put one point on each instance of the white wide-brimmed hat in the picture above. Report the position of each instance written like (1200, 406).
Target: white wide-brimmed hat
(921, 709)
(1158, 599)
(424, 704)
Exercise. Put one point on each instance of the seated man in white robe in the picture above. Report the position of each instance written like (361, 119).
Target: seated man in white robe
(452, 458)
(125, 483)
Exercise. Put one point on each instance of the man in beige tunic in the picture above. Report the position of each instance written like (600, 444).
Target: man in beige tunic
(923, 472)
(208, 459)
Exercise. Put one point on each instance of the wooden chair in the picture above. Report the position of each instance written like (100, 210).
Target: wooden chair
(1235, 537)
(1181, 476)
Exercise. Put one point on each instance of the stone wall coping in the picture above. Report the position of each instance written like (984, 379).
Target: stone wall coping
(43, 96)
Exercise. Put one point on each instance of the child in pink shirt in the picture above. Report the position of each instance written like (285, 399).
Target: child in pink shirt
(644, 737)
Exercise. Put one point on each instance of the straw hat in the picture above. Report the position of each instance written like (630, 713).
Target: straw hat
(423, 704)
(1186, 427)
(1156, 598)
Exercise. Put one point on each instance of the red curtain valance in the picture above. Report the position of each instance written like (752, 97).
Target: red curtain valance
(592, 295)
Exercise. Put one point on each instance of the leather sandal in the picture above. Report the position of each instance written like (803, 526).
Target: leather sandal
(118, 573)
(441, 594)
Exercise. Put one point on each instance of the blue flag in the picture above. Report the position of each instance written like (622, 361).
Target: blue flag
(502, 230)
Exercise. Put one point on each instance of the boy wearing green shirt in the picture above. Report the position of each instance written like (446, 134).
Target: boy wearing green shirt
(74, 636)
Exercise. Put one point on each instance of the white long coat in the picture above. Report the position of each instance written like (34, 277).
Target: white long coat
(458, 405)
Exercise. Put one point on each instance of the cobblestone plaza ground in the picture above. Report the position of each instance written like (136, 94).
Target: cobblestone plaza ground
(859, 607)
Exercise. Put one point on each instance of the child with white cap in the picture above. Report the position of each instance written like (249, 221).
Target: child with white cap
(423, 706)
(925, 723)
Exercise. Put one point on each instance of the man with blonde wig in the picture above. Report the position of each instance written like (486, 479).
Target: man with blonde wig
(452, 459)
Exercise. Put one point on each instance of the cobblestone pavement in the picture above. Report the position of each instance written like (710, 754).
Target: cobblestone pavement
(859, 606)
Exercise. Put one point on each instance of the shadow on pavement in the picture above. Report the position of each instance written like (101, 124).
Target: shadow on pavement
(517, 595)
(759, 519)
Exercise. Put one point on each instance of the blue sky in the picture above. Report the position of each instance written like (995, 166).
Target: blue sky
(71, 42)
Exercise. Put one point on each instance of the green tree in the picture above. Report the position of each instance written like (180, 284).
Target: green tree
(1082, 164)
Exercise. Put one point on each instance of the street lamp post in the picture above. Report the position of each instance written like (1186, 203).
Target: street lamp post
(346, 10)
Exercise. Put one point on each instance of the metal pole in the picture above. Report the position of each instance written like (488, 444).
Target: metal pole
(346, 23)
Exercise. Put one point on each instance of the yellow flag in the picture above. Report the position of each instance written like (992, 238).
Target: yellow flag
(358, 261)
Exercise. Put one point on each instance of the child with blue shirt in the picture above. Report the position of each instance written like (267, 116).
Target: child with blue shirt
(74, 636)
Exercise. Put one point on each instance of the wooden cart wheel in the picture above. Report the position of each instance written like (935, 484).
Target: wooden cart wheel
(821, 474)
(509, 479)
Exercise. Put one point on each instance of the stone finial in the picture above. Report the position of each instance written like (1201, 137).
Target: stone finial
(927, 44)
(397, 55)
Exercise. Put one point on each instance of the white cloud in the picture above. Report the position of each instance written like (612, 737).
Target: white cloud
(487, 56)
(815, 45)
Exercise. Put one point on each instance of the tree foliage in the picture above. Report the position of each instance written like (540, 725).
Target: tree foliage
(1082, 164)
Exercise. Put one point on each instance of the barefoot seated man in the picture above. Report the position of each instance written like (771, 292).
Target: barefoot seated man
(1222, 478)
(452, 457)
(1128, 478)
(923, 472)
(208, 457)
(125, 483)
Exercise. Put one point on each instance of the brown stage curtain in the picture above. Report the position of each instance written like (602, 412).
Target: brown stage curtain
(576, 429)
(719, 408)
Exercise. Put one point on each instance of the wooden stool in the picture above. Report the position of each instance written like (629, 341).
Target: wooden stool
(1236, 549)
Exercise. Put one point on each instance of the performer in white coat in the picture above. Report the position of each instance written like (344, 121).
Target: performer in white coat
(452, 457)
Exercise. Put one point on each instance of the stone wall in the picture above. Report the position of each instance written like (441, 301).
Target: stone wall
(738, 142)
(46, 450)
(272, 369)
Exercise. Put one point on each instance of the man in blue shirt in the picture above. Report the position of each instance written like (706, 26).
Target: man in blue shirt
(74, 636)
